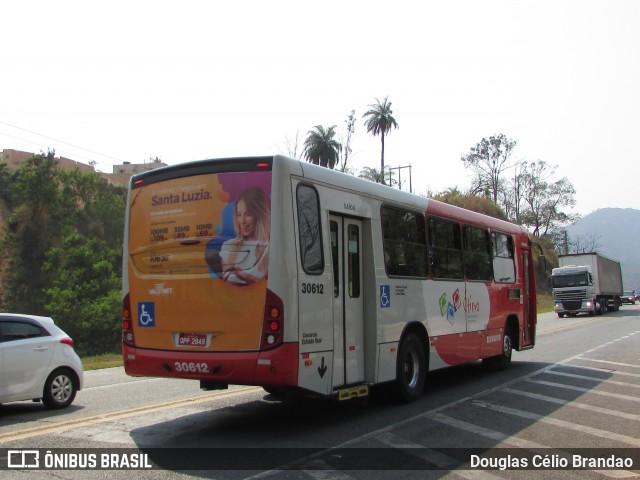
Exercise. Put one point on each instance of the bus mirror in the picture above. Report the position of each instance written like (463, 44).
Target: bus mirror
(542, 264)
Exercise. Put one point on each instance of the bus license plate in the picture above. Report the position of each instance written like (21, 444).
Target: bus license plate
(192, 340)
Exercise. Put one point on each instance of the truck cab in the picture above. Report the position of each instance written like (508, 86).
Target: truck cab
(573, 291)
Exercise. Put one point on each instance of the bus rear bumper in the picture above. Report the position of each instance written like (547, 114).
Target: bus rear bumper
(274, 367)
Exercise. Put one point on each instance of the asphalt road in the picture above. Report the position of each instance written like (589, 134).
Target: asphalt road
(578, 388)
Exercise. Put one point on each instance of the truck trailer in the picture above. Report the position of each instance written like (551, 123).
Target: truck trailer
(586, 283)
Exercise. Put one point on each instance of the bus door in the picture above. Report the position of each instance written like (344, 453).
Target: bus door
(348, 309)
(529, 300)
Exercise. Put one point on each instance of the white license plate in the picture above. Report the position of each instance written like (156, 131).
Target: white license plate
(192, 340)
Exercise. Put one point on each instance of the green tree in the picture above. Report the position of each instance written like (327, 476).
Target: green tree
(35, 224)
(544, 200)
(5, 179)
(471, 202)
(84, 295)
(511, 192)
(374, 175)
(97, 206)
(62, 249)
(380, 121)
(489, 158)
(320, 148)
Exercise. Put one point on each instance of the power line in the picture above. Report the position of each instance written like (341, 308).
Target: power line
(26, 140)
(60, 141)
(59, 152)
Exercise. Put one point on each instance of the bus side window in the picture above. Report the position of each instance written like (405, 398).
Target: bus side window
(445, 249)
(503, 263)
(477, 254)
(310, 230)
(404, 241)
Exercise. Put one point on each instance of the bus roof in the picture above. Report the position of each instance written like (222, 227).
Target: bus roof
(388, 194)
(330, 177)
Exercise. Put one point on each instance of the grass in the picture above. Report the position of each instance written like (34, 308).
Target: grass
(108, 360)
(545, 303)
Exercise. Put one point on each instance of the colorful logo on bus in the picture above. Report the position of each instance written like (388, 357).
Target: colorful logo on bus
(449, 307)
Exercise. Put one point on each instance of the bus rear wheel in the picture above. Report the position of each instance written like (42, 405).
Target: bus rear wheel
(411, 369)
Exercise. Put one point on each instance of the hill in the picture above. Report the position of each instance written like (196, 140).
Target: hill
(616, 232)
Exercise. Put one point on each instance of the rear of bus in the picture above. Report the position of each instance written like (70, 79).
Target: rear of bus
(196, 297)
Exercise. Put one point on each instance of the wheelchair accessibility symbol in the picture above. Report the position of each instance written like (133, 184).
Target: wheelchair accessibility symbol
(146, 314)
(385, 296)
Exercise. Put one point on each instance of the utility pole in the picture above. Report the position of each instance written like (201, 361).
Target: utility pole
(400, 177)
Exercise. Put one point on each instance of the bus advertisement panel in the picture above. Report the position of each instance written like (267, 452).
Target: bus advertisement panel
(198, 254)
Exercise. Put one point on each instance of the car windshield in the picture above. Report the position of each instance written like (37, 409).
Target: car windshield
(628, 294)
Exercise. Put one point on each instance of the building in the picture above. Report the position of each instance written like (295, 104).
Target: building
(15, 158)
(133, 168)
(120, 176)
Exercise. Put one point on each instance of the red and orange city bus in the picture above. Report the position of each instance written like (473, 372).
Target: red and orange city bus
(273, 272)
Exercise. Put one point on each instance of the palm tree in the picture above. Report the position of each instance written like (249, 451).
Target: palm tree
(320, 148)
(374, 175)
(379, 121)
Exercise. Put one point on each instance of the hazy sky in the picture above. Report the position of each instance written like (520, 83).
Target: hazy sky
(114, 81)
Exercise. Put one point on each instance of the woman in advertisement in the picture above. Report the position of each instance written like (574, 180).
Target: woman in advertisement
(244, 260)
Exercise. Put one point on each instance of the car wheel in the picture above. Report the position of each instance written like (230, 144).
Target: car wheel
(59, 389)
(411, 369)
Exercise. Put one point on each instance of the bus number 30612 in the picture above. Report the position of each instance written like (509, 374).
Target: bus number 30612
(191, 367)
(313, 288)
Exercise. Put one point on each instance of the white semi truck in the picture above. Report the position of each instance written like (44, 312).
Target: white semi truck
(586, 283)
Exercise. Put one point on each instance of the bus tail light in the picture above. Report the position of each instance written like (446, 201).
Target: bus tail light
(272, 326)
(127, 323)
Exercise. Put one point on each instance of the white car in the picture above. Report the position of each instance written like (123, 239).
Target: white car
(37, 361)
